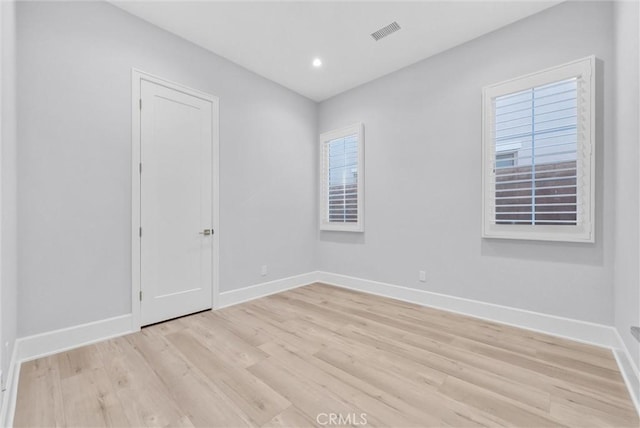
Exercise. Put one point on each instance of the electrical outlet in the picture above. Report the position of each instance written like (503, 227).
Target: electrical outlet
(263, 270)
(422, 275)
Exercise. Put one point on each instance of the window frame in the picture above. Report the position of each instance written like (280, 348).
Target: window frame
(325, 137)
(584, 230)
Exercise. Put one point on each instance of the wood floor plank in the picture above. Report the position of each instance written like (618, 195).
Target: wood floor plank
(40, 393)
(347, 386)
(303, 393)
(539, 341)
(607, 386)
(276, 331)
(577, 415)
(226, 343)
(508, 410)
(408, 372)
(145, 398)
(290, 418)
(282, 360)
(450, 360)
(436, 351)
(168, 327)
(599, 405)
(437, 409)
(238, 324)
(195, 394)
(255, 398)
(75, 361)
(90, 401)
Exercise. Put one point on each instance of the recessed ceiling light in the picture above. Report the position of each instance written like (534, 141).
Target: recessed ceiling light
(317, 62)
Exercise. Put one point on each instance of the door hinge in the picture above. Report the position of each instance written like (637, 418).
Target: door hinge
(141, 295)
(140, 167)
(140, 232)
(140, 103)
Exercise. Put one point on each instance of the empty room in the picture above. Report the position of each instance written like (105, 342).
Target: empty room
(320, 213)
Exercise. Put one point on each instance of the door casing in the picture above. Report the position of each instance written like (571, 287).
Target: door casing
(137, 76)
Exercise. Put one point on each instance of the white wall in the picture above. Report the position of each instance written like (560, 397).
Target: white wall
(74, 64)
(423, 174)
(422, 127)
(8, 218)
(627, 137)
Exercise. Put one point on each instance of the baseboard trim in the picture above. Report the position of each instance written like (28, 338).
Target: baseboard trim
(581, 331)
(241, 295)
(11, 391)
(567, 328)
(52, 342)
(40, 345)
(629, 370)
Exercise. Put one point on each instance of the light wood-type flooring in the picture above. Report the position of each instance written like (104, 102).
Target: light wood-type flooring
(325, 356)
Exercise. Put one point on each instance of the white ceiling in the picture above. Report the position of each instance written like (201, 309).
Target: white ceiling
(279, 40)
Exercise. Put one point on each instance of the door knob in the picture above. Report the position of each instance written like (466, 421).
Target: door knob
(206, 232)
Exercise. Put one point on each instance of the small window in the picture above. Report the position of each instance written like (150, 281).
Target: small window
(342, 177)
(505, 159)
(538, 157)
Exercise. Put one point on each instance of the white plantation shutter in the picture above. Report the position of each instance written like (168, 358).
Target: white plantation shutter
(538, 156)
(539, 187)
(342, 175)
(341, 181)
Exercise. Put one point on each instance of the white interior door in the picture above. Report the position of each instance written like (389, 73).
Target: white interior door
(176, 203)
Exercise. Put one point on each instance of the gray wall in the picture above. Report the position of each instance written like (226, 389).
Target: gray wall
(74, 187)
(627, 136)
(422, 127)
(8, 217)
(423, 174)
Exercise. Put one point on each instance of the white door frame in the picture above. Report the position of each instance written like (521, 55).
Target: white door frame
(136, 77)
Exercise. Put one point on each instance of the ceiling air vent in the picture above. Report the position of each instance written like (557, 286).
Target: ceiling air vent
(385, 31)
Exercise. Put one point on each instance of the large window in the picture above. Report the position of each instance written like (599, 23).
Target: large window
(342, 178)
(538, 157)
